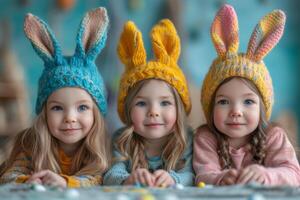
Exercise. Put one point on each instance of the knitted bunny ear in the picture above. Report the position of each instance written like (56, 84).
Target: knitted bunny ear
(165, 41)
(92, 34)
(224, 31)
(42, 39)
(266, 35)
(131, 47)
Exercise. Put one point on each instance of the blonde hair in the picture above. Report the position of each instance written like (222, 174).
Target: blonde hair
(131, 145)
(258, 139)
(93, 155)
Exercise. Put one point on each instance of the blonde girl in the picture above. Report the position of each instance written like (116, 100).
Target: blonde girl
(66, 146)
(154, 148)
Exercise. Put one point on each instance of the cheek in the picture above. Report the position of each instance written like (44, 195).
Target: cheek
(253, 117)
(136, 116)
(88, 119)
(218, 117)
(52, 121)
(171, 116)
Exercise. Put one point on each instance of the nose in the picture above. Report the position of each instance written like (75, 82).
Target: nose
(153, 112)
(70, 117)
(236, 112)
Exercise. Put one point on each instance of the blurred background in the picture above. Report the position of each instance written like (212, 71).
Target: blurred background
(20, 67)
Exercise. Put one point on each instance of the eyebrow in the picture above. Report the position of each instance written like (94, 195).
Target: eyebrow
(162, 97)
(59, 102)
(246, 94)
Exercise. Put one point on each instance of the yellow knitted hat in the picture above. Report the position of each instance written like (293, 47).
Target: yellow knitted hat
(166, 48)
(229, 63)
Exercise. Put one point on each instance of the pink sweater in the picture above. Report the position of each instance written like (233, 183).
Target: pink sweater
(281, 165)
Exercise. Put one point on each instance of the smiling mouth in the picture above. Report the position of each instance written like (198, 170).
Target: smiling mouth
(154, 125)
(235, 125)
(70, 129)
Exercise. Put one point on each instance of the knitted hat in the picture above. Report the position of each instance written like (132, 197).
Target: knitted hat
(166, 48)
(229, 63)
(78, 70)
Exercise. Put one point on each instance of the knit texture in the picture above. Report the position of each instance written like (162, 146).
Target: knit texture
(78, 70)
(230, 63)
(166, 48)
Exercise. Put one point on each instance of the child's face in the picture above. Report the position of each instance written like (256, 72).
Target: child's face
(236, 109)
(153, 111)
(69, 115)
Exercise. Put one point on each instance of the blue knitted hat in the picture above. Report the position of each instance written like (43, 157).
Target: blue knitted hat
(78, 70)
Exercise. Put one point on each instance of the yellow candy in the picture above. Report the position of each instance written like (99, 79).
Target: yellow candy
(201, 184)
(148, 197)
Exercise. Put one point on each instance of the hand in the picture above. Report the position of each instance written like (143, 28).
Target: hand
(142, 176)
(230, 177)
(163, 178)
(48, 177)
(251, 173)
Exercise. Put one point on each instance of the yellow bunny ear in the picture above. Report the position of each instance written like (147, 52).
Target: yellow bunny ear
(131, 48)
(165, 42)
(266, 35)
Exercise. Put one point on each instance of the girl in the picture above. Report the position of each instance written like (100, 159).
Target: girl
(239, 145)
(154, 149)
(67, 143)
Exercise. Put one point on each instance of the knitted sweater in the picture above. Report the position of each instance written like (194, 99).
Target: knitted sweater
(121, 170)
(22, 168)
(280, 167)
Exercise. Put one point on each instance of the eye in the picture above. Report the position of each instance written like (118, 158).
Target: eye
(56, 108)
(249, 102)
(165, 103)
(140, 103)
(222, 102)
(82, 108)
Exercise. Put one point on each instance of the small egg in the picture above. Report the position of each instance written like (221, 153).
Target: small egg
(179, 186)
(256, 197)
(72, 193)
(122, 197)
(170, 197)
(201, 184)
(39, 188)
(147, 197)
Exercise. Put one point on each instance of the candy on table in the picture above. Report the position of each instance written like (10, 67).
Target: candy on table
(71, 193)
(122, 197)
(171, 197)
(256, 196)
(147, 197)
(38, 187)
(201, 184)
(178, 186)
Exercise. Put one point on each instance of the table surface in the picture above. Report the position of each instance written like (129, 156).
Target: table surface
(25, 191)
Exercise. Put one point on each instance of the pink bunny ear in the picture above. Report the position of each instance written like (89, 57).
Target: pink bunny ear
(266, 35)
(224, 31)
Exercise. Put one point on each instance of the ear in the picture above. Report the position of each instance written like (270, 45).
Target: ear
(131, 48)
(266, 35)
(92, 34)
(224, 31)
(165, 41)
(42, 39)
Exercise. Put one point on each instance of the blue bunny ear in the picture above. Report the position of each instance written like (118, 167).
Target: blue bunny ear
(92, 34)
(42, 40)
